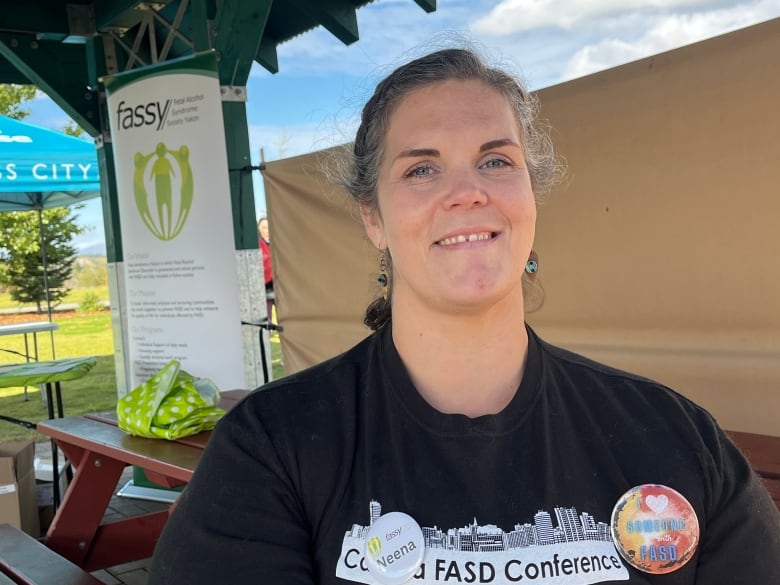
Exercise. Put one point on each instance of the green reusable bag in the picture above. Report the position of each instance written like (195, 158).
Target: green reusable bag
(170, 405)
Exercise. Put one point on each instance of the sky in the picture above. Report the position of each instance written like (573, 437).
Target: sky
(315, 99)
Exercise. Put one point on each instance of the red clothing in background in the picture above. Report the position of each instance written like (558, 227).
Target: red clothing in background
(265, 248)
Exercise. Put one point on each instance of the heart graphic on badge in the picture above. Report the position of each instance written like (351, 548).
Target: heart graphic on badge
(654, 528)
(657, 503)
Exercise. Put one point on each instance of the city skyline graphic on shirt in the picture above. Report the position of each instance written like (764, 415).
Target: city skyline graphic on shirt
(566, 525)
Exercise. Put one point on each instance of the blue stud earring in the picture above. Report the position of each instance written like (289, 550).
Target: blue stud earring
(531, 266)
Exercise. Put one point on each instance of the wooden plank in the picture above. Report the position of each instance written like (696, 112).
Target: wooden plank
(27, 561)
(232, 397)
(229, 399)
(198, 440)
(773, 487)
(73, 529)
(763, 452)
(125, 541)
(167, 458)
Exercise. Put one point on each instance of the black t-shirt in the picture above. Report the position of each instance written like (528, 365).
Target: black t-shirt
(294, 474)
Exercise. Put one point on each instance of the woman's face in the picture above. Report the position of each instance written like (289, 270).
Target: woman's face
(455, 204)
(263, 228)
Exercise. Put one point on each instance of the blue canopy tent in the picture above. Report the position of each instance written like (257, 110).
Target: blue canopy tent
(42, 169)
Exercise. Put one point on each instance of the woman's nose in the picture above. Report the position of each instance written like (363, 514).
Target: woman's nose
(464, 191)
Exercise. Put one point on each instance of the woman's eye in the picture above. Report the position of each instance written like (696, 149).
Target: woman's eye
(419, 171)
(496, 163)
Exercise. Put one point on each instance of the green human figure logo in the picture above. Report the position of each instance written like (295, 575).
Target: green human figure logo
(167, 217)
(374, 546)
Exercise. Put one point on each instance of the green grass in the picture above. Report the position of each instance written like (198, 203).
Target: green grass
(79, 335)
(74, 296)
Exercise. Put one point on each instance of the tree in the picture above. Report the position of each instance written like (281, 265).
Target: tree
(12, 97)
(22, 269)
(73, 129)
(20, 248)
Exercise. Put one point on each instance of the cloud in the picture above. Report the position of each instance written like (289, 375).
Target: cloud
(550, 40)
(513, 16)
(284, 141)
(665, 33)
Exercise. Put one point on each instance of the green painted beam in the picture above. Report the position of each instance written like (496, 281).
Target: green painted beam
(201, 29)
(97, 68)
(427, 5)
(241, 26)
(110, 200)
(60, 71)
(338, 17)
(267, 55)
(115, 13)
(95, 61)
(211, 8)
(241, 190)
(10, 74)
(33, 17)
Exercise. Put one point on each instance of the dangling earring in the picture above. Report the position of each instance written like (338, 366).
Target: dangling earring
(382, 279)
(532, 266)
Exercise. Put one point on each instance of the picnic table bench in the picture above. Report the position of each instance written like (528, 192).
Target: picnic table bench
(25, 561)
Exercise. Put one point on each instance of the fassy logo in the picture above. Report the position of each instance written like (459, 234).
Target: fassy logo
(151, 113)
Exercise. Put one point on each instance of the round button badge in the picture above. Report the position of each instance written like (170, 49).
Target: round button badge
(395, 548)
(655, 529)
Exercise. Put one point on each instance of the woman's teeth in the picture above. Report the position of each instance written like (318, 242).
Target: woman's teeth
(461, 239)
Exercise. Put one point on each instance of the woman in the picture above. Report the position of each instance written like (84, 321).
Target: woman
(453, 445)
(264, 243)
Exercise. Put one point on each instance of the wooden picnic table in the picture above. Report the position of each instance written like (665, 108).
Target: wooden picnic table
(763, 453)
(99, 451)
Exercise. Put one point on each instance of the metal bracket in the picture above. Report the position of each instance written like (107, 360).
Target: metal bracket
(109, 52)
(233, 93)
(103, 138)
(81, 23)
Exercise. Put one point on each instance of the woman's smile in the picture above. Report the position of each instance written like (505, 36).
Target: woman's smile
(469, 238)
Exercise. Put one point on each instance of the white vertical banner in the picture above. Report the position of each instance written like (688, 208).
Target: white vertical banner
(181, 283)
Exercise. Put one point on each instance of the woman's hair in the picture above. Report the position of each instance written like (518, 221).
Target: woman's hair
(360, 179)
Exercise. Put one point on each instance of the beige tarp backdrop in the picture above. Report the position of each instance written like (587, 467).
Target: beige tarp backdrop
(325, 268)
(659, 255)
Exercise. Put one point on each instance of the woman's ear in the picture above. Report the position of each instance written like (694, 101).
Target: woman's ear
(372, 223)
